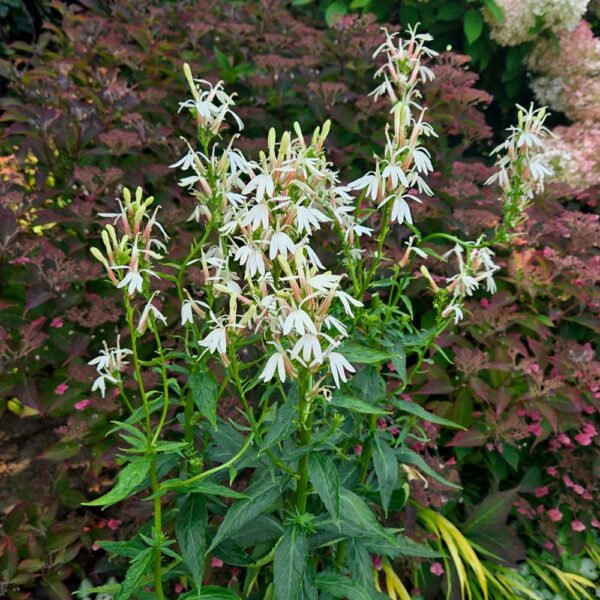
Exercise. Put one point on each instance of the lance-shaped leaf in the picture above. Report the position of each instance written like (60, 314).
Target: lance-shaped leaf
(204, 392)
(260, 496)
(324, 477)
(129, 479)
(386, 469)
(190, 530)
(291, 556)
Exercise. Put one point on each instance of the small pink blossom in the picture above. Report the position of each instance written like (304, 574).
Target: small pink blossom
(485, 303)
(564, 439)
(437, 569)
(113, 524)
(178, 588)
(358, 449)
(451, 462)
(579, 489)
(568, 481)
(395, 431)
(589, 409)
(377, 563)
(381, 423)
(21, 260)
(548, 545)
(82, 404)
(60, 389)
(216, 563)
(589, 429)
(521, 412)
(555, 514)
(583, 439)
(552, 471)
(38, 322)
(535, 429)
(56, 323)
(596, 523)
(577, 526)
(541, 491)
(95, 546)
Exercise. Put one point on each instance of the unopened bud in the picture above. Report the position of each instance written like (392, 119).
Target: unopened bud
(425, 272)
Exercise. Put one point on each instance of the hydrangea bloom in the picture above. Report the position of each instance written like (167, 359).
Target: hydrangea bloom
(522, 16)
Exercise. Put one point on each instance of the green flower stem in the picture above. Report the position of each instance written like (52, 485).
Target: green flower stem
(200, 476)
(385, 228)
(158, 535)
(165, 381)
(234, 371)
(304, 437)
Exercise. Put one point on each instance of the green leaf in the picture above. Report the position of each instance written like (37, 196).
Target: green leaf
(324, 477)
(368, 384)
(204, 486)
(357, 518)
(416, 409)
(204, 391)
(357, 353)
(339, 586)
(282, 426)
(386, 469)
(406, 455)
(129, 549)
(495, 10)
(260, 496)
(139, 565)
(398, 546)
(491, 512)
(190, 530)
(334, 11)
(289, 565)
(360, 563)
(355, 405)
(129, 479)
(210, 592)
(473, 25)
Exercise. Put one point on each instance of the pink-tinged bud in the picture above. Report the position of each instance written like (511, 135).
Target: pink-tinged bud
(578, 526)
(56, 323)
(377, 563)
(60, 389)
(358, 449)
(82, 404)
(554, 514)
(216, 563)
(113, 524)
(437, 569)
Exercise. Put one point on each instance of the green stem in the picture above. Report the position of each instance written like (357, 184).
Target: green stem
(153, 475)
(304, 436)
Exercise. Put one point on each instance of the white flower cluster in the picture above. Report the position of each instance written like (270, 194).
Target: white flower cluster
(521, 166)
(130, 247)
(523, 18)
(109, 363)
(263, 273)
(405, 161)
(476, 267)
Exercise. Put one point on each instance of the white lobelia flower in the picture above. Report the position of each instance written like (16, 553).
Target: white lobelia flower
(401, 211)
(276, 362)
(309, 346)
(453, 308)
(150, 309)
(257, 216)
(372, 181)
(396, 174)
(263, 184)
(281, 243)
(252, 258)
(346, 301)
(188, 307)
(339, 365)
(298, 321)
(324, 282)
(308, 219)
(215, 341)
(330, 322)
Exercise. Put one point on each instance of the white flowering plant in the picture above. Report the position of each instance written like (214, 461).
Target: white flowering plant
(288, 306)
